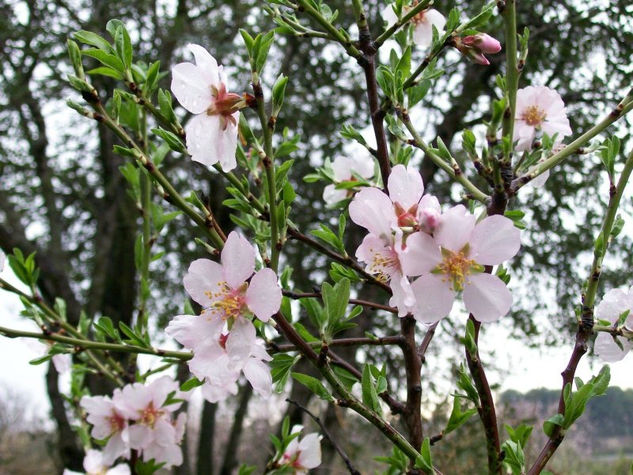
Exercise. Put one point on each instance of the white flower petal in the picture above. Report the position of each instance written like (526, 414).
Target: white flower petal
(190, 87)
(494, 240)
(310, 447)
(421, 255)
(206, 64)
(203, 134)
(263, 295)
(258, 374)
(373, 210)
(455, 228)
(238, 259)
(203, 278)
(486, 297)
(405, 186)
(434, 298)
(608, 350)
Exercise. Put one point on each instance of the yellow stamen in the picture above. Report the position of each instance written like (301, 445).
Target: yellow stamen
(534, 116)
(456, 266)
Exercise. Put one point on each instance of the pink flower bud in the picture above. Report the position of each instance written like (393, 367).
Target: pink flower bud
(483, 42)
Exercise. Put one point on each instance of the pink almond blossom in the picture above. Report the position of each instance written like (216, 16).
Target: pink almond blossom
(423, 24)
(94, 464)
(154, 433)
(302, 455)
(614, 303)
(344, 169)
(223, 289)
(539, 108)
(202, 89)
(108, 422)
(453, 260)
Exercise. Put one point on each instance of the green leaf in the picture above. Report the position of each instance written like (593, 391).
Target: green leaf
(457, 417)
(279, 92)
(369, 394)
(514, 457)
(313, 385)
(171, 139)
(106, 59)
(424, 461)
(191, 384)
(104, 71)
(93, 39)
(551, 424)
(280, 367)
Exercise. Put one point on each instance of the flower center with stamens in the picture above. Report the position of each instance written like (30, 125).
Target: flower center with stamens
(534, 116)
(456, 266)
(224, 104)
(383, 263)
(117, 422)
(150, 414)
(230, 302)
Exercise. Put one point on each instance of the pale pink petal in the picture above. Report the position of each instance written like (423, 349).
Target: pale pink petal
(226, 144)
(203, 278)
(203, 135)
(405, 186)
(389, 16)
(63, 362)
(258, 374)
(380, 257)
(614, 302)
(164, 432)
(190, 331)
(263, 295)
(191, 88)
(121, 469)
(540, 180)
(180, 426)
(608, 350)
(140, 436)
(239, 342)
(434, 298)
(310, 451)
(114, 449)
(423, 34)
(213, 363)
(219, 390)
(557, 125)
(421, 254)
(402, 297)
(363, 166)
(206, 63)
(455, 228)
(93, 461)
(436, 19)
(238, 259)
(160, 388)
(331, 195)
(342, 168)
(494, 240)
(373, 210)
(486, 297)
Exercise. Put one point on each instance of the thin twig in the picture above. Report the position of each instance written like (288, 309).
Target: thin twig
(362, 303)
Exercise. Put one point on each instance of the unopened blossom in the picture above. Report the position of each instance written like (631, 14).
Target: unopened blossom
(94, 464)
(344, 170)
(539, 109)
(202, 88)
(154, 432)
(475, 47)
(302, 455)
(108, 422)
(423, 23)
(404, 207)
(452, 261)
(614, 304)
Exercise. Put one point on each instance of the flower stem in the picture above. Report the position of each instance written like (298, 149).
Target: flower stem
(512, 73)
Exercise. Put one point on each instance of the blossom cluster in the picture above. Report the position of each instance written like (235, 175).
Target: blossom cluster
(409, 236)
(138, 417)
(223, 338)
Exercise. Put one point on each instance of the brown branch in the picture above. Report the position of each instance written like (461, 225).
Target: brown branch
(356, 341)
(486, 407)
(345, 260)
(426, 342)
(413, 367)
(363, 303)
